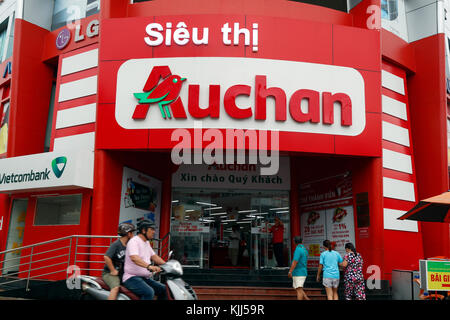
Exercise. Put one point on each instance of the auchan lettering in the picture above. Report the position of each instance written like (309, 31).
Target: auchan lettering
(242, 93)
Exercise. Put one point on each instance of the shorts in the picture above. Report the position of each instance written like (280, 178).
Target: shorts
(110, 280)
(297, 282)
(330, 282)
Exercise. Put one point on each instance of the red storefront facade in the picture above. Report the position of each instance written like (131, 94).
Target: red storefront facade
(248, 66)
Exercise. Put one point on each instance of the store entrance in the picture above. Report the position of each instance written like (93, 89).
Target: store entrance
(213, 228)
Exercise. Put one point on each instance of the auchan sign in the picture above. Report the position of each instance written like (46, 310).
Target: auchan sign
(240, 93)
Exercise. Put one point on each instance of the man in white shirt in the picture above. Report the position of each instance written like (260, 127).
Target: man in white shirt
(138, 269)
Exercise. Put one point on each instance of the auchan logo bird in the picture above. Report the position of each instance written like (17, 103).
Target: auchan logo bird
(165, 94)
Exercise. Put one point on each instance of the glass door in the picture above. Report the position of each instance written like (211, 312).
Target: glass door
(15, 236)
(212, 228)
(271, 231)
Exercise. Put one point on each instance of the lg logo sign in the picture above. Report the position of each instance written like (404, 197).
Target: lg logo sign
(64, 36)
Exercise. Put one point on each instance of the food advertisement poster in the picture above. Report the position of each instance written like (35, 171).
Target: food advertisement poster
(326, 207)
(140, 199)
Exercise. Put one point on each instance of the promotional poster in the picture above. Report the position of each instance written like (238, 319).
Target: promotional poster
(141, 198)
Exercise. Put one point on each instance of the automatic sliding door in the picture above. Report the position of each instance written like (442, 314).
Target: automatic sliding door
(214, 228)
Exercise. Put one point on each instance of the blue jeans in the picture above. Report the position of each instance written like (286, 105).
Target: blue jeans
(146, 288)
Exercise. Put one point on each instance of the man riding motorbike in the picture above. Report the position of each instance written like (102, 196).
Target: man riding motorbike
(138, 270)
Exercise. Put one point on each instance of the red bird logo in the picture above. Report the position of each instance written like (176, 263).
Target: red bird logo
(165, 94)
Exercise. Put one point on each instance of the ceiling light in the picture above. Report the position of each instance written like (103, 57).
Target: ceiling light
(218, 214)
(206, 204)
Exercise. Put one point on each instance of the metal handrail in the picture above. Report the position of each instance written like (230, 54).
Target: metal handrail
(28, 264)
(28, 267)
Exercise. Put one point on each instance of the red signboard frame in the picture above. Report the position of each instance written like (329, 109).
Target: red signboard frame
(279, 38)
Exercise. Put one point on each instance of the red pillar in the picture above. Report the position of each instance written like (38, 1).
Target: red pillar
(166, 205)
(428, 108)
(4, 218)
(106, 195)
(294, 200)
(28, 114)
(374, 177)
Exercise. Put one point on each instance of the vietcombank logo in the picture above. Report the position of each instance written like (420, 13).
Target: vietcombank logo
(58, 165)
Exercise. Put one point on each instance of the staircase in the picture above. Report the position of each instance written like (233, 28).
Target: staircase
(254, 293)
(241, 284)
(265, 284)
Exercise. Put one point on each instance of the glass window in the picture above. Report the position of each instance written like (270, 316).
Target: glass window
(212, 228)
(66, 11)
(48, 130)
(3, 37)
(10, 40)
(58, 210)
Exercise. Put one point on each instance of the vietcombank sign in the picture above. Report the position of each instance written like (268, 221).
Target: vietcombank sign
(47, 171)
(58, 165)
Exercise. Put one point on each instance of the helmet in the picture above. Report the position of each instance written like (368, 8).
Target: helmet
(124, 228)
(145, 224)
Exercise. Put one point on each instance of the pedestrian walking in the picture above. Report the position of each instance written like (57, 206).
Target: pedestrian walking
(298, 271)
(329, 262)
(353, 275)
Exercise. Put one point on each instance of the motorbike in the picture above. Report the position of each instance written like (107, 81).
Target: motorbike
(171, 273)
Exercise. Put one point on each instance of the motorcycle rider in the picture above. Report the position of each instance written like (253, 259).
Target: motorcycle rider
(138, 270)
(114, 259)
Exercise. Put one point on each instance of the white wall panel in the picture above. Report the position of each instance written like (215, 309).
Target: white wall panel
(394, 107)
(394, 133)
(79, 62)
(78, 89)
(392, 223)
(397, 161)
(75, 142)
(392, 82)
(422, 22)
(411, 5)
(76, 116)
(398, 189)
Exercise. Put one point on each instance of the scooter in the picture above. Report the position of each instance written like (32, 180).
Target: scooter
(172, 271)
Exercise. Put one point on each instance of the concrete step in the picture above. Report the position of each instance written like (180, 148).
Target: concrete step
(253, 293)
